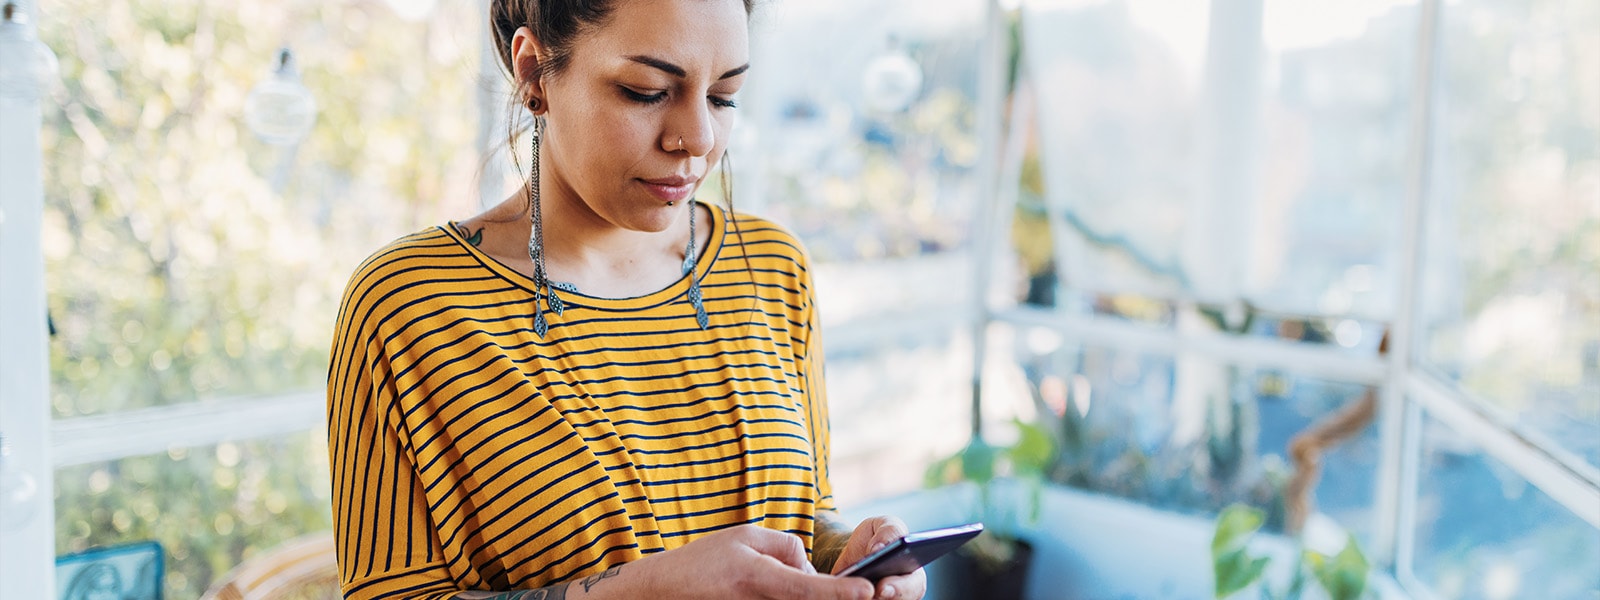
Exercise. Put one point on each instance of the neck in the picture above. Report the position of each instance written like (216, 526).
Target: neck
(578, 237)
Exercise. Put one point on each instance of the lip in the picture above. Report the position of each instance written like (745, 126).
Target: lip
(670, 189)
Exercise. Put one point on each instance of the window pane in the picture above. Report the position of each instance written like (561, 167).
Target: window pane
(1176, 163)
(1513, 294)
(209, 508)
(1336, 127)
(187, 257)
(893, 403)
(1484, 532)
(1191, 434)
(863, 122)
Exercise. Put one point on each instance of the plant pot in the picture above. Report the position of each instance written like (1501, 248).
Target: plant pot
(960, 576)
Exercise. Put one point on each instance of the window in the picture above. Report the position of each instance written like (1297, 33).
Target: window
(1510, 309)
(195, 270)
(1213, 210)
(1221, 211)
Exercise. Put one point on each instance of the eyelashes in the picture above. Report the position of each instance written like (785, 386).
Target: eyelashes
(658, 97)
(643, 98)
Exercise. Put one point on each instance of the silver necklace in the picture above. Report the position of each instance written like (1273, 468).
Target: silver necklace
(547, 288)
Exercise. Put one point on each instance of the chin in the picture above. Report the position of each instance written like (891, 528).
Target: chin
(657, 218)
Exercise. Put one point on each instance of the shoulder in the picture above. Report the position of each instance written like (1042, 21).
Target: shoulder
(402, 268)
(763, 238)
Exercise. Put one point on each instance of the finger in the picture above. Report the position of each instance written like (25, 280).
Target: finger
(910, 586)
(887, 530)
(868, 537)
(786, 548)
(788, 584)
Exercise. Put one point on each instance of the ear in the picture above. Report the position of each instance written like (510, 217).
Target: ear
(527, 54)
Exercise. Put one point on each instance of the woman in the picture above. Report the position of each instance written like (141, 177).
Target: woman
(599, 388)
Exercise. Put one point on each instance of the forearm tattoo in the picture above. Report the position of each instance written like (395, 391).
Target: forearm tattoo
(590, 581)
(831, 536)
(554, 592)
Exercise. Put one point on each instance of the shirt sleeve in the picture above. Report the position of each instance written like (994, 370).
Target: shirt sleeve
(386, 544)
(811, 363)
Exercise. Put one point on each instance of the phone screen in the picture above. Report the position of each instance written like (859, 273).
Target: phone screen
(911, 552)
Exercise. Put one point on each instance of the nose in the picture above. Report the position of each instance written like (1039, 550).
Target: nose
(690, 129)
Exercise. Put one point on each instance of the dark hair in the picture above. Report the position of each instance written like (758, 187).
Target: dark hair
(556, 24)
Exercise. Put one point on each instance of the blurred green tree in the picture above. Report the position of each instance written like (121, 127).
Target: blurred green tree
(188, 260)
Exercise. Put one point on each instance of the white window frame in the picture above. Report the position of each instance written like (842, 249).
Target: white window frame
(24, 353)
(41, 444)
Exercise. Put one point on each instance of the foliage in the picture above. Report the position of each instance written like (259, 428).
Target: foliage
(1342, 576)
(986, 466)
(209, 508)
(189, 260)
(1233, 566)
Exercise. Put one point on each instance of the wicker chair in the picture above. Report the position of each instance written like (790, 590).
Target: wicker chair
(303, 568)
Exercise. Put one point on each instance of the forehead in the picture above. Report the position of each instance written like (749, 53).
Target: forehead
(701, 36)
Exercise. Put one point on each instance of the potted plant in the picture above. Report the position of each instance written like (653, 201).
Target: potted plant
(1342, 576)
(1008, 482)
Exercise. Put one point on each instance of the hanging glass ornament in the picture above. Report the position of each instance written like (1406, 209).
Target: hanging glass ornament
(892, 80)
(280, 110)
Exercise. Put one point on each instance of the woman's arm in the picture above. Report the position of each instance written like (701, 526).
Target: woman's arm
(740, 562)
(552, 592)
(832, 535)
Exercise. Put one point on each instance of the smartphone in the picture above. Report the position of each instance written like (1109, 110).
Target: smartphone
(911, 552)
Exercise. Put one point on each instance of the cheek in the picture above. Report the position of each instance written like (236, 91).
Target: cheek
(607, 144)
(724, 133)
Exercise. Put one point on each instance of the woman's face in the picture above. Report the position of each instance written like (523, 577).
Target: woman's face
(644, 108)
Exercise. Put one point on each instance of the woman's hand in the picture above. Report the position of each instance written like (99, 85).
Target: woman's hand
(868, 537)
(742, 562)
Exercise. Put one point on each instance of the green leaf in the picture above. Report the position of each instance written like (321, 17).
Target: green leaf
(1233, 567)
(1345, 576)
(1234, 527)
(1033, 451)
(977, 462)
(1315, 561)
(939, 473)
(1236, 571)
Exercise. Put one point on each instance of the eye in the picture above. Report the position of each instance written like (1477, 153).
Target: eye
(723, 102)
(642, 98)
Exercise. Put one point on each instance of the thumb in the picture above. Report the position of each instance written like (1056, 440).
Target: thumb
(787, 584)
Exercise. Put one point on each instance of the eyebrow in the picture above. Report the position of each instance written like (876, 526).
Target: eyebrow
(677, 70)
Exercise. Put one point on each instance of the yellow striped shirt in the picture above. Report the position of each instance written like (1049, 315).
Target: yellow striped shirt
(469, 453)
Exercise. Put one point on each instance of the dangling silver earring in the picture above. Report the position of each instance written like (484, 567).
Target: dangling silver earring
(689, 256)
(541, 277)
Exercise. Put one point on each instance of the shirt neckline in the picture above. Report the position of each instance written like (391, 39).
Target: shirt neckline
(665, 295)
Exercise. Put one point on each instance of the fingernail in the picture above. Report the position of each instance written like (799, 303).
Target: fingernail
(879, 546)
(888, 591)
